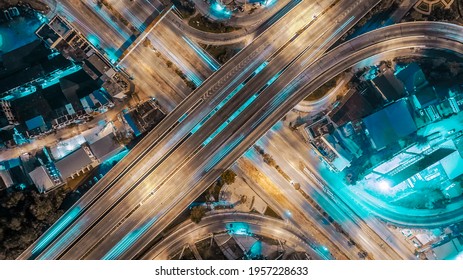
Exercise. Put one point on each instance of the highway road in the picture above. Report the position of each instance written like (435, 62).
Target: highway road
(299, 153)
(322, 67)
(244, 34)
(140, 13)
(155, 212)
(244, 19)
(303, 214)
(196, 63)
(96, 25)
(250, 58)
(164, 174)
(189, 233)
(310, 221)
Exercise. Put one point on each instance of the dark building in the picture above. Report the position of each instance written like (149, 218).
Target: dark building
(390, 124)
(412, 78)
(353, 108)
(144, 117)
(28, 63)
(77, 86)
(388, 86)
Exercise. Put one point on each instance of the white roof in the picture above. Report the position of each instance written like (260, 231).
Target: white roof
(41, 179)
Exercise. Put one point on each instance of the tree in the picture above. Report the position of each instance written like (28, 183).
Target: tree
(268, 159)
(12, 199)
(15, 224)
(441, 13)
(228, 177)
(147, 43)
(197, 213)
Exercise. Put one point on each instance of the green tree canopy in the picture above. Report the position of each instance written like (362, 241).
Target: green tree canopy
(228, 176)
(197, 213)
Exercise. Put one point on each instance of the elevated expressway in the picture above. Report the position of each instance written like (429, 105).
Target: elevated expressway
(139, 206)
(408, 38)
(130, 182)
(188, 233)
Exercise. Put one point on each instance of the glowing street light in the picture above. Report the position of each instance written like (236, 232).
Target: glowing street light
(384, 186)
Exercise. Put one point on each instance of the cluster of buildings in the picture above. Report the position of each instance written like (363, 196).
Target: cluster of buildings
(54, 166)
(55, 82)
(69, 159)
(142, 117)
(48, 84)
(396, 130)
(59, 34)
(436, 244)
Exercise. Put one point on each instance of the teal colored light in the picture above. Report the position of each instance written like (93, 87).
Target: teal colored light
(230, 119)
(230, 96)
(183, 117)
(220, 105)
(43, 19)
(256, 248)
(54, 79)
(127, 241)
(220, 11)
(111, 56)
(223, 153)
(242, 108)
(56, 229)
(268, 3)
(117, 157)
(260, 68)
(212, 64)
(65, 239)
(273, 79)
(239, 228)
(93, 40)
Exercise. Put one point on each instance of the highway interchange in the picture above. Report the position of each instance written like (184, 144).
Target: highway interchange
(215, 125)
(189, 233)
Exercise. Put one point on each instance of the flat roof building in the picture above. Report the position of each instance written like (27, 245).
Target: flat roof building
(75, 163)
(46, 178)
(106, 147)
(390, 124)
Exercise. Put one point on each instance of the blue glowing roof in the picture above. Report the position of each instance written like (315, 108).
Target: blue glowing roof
(132, 124)
(390, 124)
(100, 97)
(407, 76)
(35, 122)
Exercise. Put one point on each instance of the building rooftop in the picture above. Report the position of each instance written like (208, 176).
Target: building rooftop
(73, 162)
(412, 76)
(448, 250)
(355, 107)
(35, 122)
(42, 179)
(419, 165)
(106, 147)
(389, 87)
(28, 63)
(389, 124)
(425, 96)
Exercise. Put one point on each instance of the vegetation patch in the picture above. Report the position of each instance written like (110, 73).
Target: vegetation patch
(184, 7)
(203, 23)
(24, 216)
(221, 53)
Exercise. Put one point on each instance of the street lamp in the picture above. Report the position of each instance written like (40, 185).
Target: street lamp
(384, 185)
